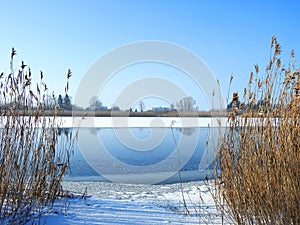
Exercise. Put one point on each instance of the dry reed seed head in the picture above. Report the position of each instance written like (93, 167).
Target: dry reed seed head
(287, 80)
(277, 49)
(45, 86)
(13, 53)
(256, 69)
(267, 79)
(41, 75)
(231, 78)
(298, 82)
(294, 104)
(273, 41)
(250, 78)
(269, 67)
(23, 65)
(292, 54)
(235, 97)
(296, 75)
(259, 84)
(69, 73)
(38, 89)
(278, 63)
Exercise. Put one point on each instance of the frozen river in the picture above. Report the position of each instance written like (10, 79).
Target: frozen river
(143, 150)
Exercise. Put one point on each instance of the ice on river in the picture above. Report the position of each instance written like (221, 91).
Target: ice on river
(111, 203)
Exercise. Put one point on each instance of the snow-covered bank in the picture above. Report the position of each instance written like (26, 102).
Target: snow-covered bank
(111, 203)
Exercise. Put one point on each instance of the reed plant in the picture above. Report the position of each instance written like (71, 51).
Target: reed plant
(258, 174)
(33, 156)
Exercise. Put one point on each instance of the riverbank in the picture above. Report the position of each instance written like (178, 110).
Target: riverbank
(109, 113)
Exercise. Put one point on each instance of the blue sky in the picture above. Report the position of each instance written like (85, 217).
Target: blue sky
(229, 36)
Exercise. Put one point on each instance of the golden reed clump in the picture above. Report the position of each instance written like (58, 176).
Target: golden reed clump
(33, 156)
(259, 159)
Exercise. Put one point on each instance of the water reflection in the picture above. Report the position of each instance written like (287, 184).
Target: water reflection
(66, 131)
(187, 130)
(102, 155)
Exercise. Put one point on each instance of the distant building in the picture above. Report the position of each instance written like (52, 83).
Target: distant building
(96, 108)
(104, 108)
(161, 108)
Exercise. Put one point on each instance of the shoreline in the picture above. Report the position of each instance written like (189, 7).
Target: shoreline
(132, 122)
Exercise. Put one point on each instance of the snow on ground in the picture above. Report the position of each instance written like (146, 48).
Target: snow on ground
(111, 203)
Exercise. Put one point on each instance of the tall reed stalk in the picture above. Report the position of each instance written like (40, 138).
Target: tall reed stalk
(33, 157)
(259, 161)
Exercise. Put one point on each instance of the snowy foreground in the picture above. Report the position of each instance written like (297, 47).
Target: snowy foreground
(111, 203)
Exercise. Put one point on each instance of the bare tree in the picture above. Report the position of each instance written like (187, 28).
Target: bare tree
(186, 104)
(142, 106)
(95, 103)
(115, 108)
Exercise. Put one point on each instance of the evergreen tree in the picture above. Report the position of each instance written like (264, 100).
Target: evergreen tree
(67, 102)
(60, 101)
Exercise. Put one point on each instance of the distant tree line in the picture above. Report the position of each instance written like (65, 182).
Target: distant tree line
(64, 102)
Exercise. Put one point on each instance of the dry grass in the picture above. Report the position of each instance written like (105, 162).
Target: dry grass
(33, 156)
(259, 165)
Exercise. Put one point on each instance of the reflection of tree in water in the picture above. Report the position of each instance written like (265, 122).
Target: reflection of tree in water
(93, 130)
(141, 129)
(187, 130)
(66, 131)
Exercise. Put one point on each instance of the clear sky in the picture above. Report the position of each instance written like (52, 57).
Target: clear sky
(229, 36)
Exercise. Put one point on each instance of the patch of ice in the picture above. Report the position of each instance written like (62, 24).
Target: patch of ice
(112, 203)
